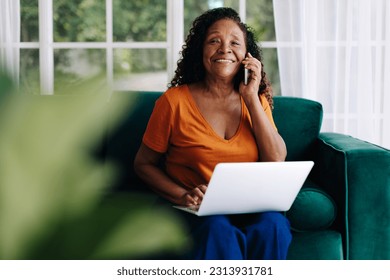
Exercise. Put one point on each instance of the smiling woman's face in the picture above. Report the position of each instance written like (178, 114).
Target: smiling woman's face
(223, 49)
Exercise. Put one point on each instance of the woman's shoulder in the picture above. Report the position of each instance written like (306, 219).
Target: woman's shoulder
(176, 94)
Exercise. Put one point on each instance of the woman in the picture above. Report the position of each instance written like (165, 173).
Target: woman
(208, 115)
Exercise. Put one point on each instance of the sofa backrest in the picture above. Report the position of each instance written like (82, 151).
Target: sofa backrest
(299, 122)
(124, 139)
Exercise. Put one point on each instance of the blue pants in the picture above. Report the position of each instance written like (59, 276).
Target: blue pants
(260, 236)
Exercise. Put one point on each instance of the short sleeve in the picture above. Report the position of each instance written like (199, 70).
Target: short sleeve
(158, 130)
(267, 109)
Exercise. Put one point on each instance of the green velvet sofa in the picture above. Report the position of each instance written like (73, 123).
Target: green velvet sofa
(343, 209)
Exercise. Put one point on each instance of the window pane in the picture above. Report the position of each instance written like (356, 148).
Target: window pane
(29, 71)
(271, 68)
(79, 21)
(260, 16)
(29, 28)
(140, 69)
(194, 8)
(73, 66)
(139, 20)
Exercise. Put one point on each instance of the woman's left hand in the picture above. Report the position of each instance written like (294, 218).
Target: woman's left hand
(254, 79)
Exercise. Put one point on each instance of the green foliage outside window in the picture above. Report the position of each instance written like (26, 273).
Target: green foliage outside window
(133, 21)
(139, 21)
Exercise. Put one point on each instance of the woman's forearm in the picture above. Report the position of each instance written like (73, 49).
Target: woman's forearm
(270, 144)
(160, 183)
(146, 167)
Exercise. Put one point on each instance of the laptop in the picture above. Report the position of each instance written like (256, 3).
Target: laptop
(249, 187)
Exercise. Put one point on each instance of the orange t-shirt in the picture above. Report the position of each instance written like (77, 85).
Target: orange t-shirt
(191, 147)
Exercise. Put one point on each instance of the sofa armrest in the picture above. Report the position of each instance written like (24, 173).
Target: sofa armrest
(357, 175)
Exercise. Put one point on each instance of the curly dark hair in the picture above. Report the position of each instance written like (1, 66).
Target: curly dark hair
(190, 68)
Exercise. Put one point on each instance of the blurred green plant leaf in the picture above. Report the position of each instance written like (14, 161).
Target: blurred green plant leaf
(54, 201)
(128, 226)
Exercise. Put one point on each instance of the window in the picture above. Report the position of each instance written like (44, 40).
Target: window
(29, 75)
(131, 45)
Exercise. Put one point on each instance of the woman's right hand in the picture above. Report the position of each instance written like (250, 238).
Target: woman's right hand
(194, 196)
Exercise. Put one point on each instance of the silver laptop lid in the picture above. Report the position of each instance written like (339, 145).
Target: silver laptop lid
(250, 187)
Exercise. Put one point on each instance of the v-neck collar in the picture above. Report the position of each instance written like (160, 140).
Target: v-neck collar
(206, 123)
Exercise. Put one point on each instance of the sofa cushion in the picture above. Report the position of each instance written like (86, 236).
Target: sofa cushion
(313, 209)
(298, 121)
(316, 245)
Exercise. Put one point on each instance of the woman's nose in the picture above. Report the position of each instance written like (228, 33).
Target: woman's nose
(224, 48)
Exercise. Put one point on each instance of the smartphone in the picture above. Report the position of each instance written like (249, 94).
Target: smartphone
(246, 73)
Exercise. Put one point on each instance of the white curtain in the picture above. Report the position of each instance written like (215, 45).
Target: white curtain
(338, 53)
(10, 37)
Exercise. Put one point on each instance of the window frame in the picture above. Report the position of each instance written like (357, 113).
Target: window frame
(172, 45)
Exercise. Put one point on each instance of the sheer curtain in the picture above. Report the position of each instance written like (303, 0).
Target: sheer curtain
(338, 53)
(10, 37)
